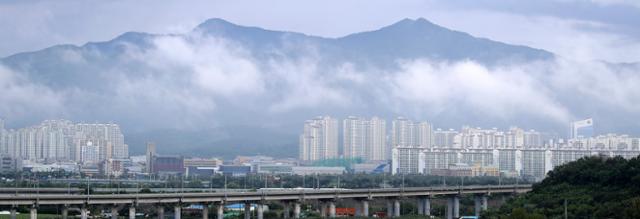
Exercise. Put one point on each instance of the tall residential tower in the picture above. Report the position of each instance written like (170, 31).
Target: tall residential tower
(364, 138)
(319, 139)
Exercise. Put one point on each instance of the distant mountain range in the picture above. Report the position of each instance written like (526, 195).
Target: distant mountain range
(224, 89)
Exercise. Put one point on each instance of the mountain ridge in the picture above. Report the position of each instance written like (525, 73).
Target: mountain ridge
(228, 79)
(218, 26)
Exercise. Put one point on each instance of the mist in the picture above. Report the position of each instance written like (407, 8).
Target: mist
(220, 87)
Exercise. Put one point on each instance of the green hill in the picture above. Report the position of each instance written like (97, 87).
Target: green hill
(593, 187)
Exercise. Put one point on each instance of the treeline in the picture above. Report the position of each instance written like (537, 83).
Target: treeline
(351, 181)
(255, 181)
(591, 187)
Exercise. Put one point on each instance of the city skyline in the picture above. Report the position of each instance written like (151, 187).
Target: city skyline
(272, 88)
(320, 109)
(410, 131)
(62, 140)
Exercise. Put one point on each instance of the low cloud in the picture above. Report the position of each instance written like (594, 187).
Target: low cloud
(196, 81)
(303, 85)
(501, 92)
(22, 98)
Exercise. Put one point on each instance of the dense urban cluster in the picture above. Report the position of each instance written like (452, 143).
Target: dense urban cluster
(418, 148)
(63, 144)
(356, 145)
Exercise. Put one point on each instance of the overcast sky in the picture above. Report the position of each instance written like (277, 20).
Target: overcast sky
(578, 29)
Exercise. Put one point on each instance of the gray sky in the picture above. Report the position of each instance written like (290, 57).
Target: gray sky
(577, 29)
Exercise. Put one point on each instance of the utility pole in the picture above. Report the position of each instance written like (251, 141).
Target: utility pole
(16, 179)
(211, 183)
(565, 209)
(384, 180)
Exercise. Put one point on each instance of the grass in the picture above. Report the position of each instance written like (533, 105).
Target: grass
(26, 216)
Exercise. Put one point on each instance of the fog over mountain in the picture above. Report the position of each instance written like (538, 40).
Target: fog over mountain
(224, 89)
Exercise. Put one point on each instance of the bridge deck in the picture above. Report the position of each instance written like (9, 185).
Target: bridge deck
(266, 195)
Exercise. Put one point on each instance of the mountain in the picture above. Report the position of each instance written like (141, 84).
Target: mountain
(409, 39)
(224, 89)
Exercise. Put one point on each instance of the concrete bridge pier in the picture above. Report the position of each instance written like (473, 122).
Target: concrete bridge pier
(480, 204)
(296, 210)
(247, 210)
(205, 210)
(160, 211)
(287, 210)
(323, 209)
(453, 207)
(260, 210)
(177, 211)
(332, 209)
(65, 211)
(132, 212)
(456, 206)
(485, 202)
(364, 208)
(114, 212)
(396, 208)
(33, 212)
(449, 213)
(13, 213)
(84, 212)
(424, 206)
(220, 210)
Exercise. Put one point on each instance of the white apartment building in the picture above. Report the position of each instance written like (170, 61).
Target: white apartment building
(406, 133)
(319, 139)
(364, 138)
(90, 153)
(444, 138)
(62, 140)
(377, 140)
(354, 132)
(477, 138)
(407, 160)
(521, 154)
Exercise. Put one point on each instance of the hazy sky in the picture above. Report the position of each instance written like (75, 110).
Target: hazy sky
(578, 29)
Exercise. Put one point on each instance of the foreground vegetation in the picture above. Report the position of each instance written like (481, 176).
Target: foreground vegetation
(591, 187)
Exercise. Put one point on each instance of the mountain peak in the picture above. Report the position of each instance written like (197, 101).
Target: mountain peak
(417, 23)
(214, 23)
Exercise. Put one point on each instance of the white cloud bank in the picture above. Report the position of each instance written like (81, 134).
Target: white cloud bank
(21, 98)
(195, 81)
(502, 93)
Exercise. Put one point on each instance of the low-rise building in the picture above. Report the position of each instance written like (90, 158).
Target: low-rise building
(278, 168)
(300, 170)
(112, 167)
(202, 162)
(163, 164)
(235, 170)
(372, 167)
(9, 164)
